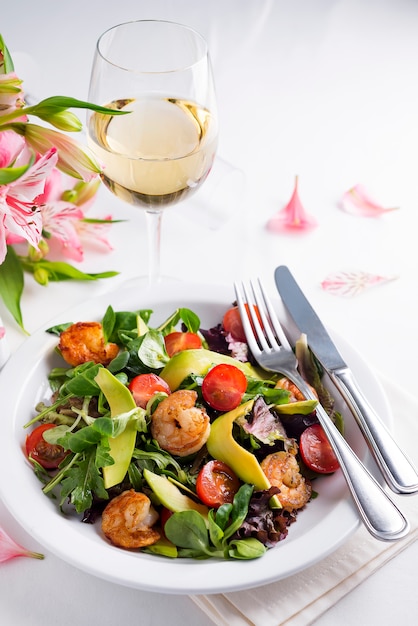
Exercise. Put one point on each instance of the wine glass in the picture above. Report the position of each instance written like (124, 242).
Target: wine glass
(162, 149)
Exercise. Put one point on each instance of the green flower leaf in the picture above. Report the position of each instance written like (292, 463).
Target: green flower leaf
(7, 66)
(10, 174)
(11, 284)
(59, 270)
(57, 104)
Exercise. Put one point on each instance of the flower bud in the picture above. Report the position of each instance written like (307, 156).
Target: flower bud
(41, 276)
(37, 254)
(64, 120)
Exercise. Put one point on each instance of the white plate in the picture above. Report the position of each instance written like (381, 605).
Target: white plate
(322, 527)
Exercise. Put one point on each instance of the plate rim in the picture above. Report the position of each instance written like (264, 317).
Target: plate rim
(240, 575)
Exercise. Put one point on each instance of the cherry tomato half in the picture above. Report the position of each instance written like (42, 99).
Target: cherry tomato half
(316, 451)
(216, 484)
(46, 454)
(223, 387)
(165, 514)
(232, 323)
(144, 386)
(178, 341)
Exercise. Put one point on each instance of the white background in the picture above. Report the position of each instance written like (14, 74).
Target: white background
(323, 89)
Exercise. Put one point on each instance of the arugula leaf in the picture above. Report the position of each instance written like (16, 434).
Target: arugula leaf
(82, 381)
(81, 482)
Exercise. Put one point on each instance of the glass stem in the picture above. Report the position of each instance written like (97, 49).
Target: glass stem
(154, 219)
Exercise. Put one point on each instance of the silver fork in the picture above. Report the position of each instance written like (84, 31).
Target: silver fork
(271, 349)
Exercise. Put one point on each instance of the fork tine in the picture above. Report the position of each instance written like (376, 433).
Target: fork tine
(268, 327)
(274, 319)
(249, 333)
(252, 314)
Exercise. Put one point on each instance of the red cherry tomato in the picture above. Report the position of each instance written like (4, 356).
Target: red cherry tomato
(165, 514)
(178, 341)
(316, 451)
(216, 484)
(232, 323)
(223, 387)
(46, 454)
(144, 386)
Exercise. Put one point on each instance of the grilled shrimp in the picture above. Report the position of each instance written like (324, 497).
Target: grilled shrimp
(282, 470)
(84, 341)
(128, 519)
(179, 426)
(295, 394)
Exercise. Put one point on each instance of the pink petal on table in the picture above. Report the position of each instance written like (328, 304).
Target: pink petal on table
(351, 283)
(357, 202)
(9, 549)
(292, 217)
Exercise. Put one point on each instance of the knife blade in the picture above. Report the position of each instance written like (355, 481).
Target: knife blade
(396, 468)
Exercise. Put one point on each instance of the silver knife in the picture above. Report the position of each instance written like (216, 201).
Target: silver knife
(397, 469)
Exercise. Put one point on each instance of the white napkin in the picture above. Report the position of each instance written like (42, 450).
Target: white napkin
(302, 598)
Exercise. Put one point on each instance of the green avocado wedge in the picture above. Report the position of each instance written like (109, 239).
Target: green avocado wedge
(120, 401)
(221, 445)
(170, 496)
(199, 361)
(302, 407)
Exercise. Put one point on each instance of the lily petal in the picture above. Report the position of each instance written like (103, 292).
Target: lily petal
(292, 217)
(9, 549)
(351, 283)
(358, 202)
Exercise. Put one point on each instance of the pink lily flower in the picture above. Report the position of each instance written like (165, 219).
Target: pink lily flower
(358, 202)
(9, 549)
(351, 283)
(11, 146)
(59, 217)
(19, 215)
(95, 231)
(292, 217)
(11, 94)
(74, 160)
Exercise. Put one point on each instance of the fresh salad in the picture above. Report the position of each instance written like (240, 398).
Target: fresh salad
(174, 440)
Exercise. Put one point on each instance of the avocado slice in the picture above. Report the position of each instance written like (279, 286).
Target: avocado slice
(170, 496)
(199, 362)
(221, 445)
(120, 401)
(302, 407)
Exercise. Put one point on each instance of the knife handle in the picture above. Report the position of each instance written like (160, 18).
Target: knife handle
(379, 513)
(397, 469)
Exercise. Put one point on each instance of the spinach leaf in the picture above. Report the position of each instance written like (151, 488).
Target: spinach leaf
(152, 350)
(250, 548)
(187, 529)
(108, 323)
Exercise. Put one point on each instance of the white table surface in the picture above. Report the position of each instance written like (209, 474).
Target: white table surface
(323, 89)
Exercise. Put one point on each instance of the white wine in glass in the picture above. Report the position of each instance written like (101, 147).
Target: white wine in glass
(160, 146)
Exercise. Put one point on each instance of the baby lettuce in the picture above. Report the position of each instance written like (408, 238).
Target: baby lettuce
(200, 539)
